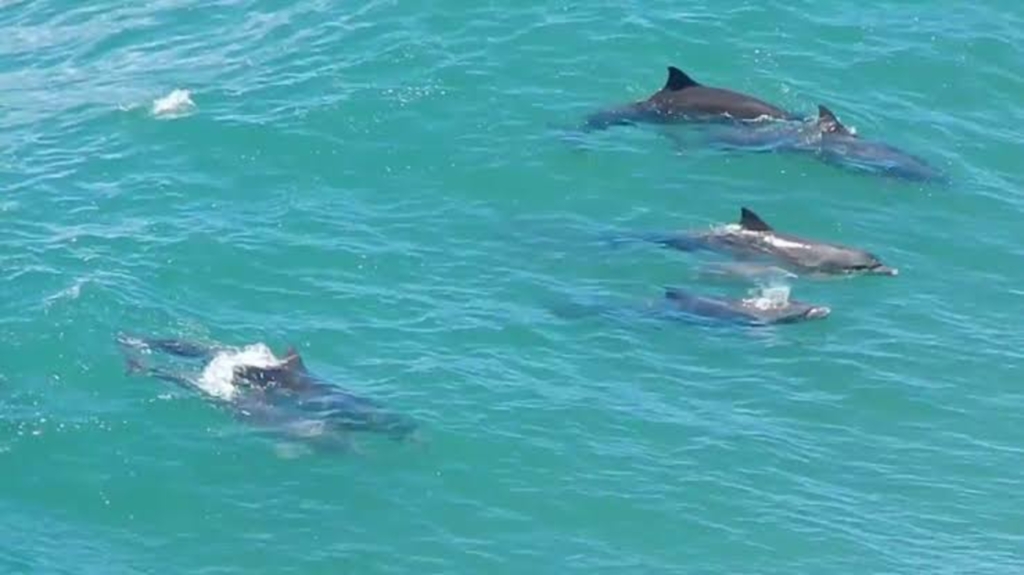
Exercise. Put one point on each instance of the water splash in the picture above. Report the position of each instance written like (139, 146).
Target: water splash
(769, 296)
(176, 104)
(217, 378)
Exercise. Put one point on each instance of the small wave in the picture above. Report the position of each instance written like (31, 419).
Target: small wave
(177, 103)
(71, 292)
(217, 378)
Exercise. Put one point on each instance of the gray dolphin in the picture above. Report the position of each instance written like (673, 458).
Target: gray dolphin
(753, 238)
(764, 306)
(283, 395)
(830, 141)
(751, 311)
(684, 99)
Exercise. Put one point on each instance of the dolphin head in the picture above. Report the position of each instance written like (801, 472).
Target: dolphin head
(798, 311)
(861, 262)
(793, 312)
(877, 268)
(773, 307)
(817, 312)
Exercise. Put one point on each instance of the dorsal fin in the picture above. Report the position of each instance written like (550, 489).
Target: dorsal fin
(678, 80)
(293, 360)
(751, 221)
(828, 122)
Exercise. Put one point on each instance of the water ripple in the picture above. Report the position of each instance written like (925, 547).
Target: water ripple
(378, 183)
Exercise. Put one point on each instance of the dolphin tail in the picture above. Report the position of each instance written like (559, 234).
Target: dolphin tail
(575, 310)
(177, 347)
(614, 240)
(677, 141)
(676, 241)
(134, 366)
(605, 119)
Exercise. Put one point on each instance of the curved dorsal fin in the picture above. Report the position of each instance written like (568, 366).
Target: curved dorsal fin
(751, 221)
(678, 80)
(828, 122)
(293, 360)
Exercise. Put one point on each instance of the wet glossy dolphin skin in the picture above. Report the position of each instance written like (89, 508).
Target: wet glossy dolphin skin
(830, 141)
(284, 396)
(684, 99)
(753, 238)
(751, 311)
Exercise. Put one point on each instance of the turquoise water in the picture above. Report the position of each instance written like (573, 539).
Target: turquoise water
(383, 185)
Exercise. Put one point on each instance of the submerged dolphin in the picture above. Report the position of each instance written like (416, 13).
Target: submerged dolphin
(763, 306)
(830, 141)
(751, 238)
(751, 311)
(684, 99)
(279, 393)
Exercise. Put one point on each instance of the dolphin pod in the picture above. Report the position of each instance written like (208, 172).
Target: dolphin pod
(760, 253)
(282, 395)
(736, 121)
(752, 124)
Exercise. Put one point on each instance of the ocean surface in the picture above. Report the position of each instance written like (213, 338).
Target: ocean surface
(389, 187)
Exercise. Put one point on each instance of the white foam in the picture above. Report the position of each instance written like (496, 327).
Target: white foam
(177, 103)
(781, 243)
(71, 292)
(217, 378)
(767, 237)
(769, 297)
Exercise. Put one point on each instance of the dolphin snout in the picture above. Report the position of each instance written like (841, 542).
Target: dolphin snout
(885, 271)
(818, 312)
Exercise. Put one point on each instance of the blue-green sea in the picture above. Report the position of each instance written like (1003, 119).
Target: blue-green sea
(391, 188)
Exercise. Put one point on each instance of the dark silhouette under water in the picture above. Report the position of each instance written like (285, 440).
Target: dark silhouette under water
(831, 142)
(761, 309)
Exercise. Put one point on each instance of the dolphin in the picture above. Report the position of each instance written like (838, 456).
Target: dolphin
(751, 311)
(753, 238)
(833, 143)
(279, 393)
(684, 99)
(763, 306)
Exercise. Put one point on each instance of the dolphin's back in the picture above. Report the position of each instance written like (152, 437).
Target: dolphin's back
(709, 101)
(705, 306)
(352, 412)
(878, 157)
(796, 252)
(738, 310)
